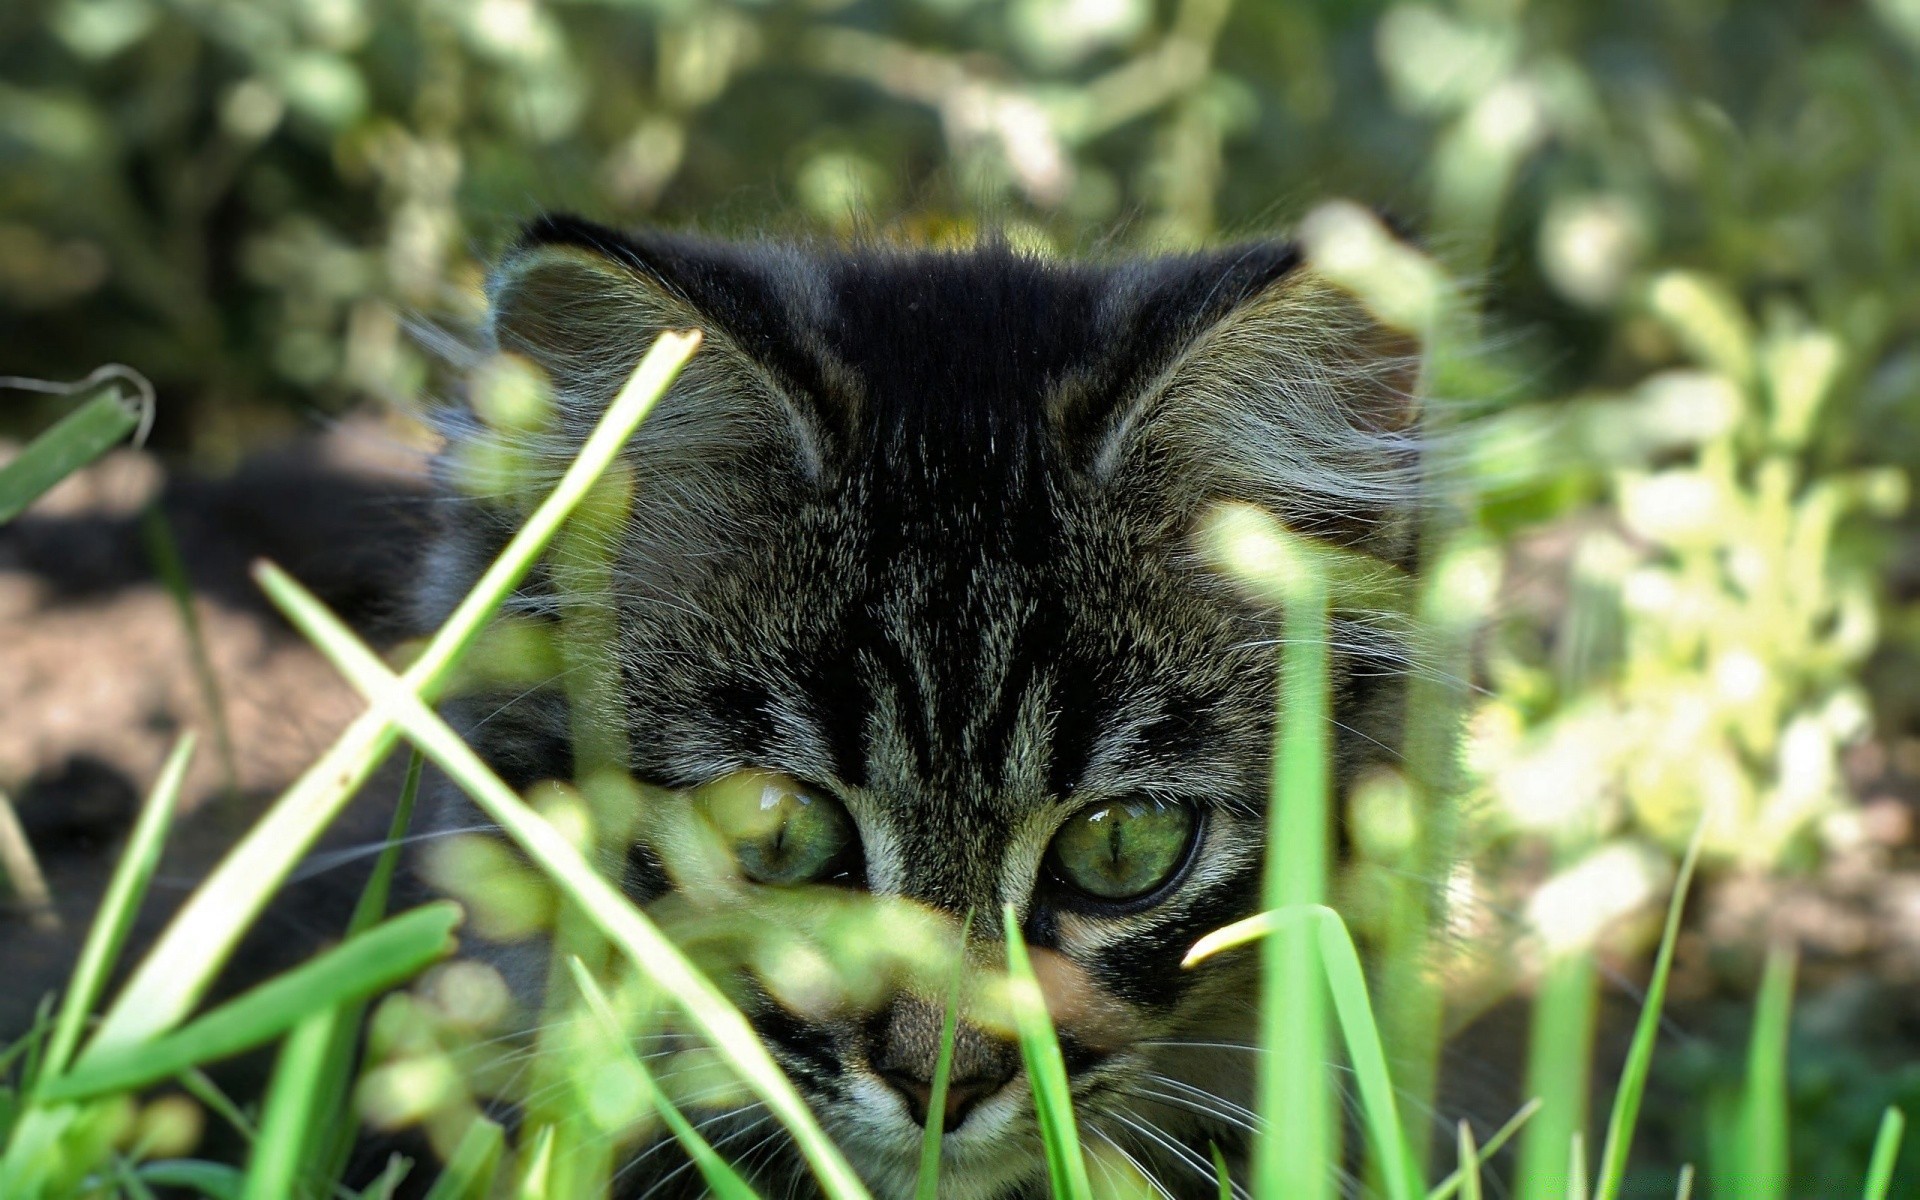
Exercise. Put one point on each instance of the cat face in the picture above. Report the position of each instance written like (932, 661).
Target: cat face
(908, 606)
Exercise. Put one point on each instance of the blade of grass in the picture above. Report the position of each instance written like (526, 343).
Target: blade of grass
(624, 925)
(1295, 1151)
(177, 970)
(217, 1181)
(928, 1187)
(98, 425)
(1886, 1151)
(1452, 1183)
(1633, 1076)
(118, 907)
(539, 1165)
(1346, 983)
(722, 1179)
(1683, 1188)
(1577, 1166)
(1761, 1140)
(274, 1168)
(164, 553)
(22, 871)
(361, 966)
(331, 1149)
(1046, 1069)
(1469, 1164)
(1559, 1054)
(470, 1170)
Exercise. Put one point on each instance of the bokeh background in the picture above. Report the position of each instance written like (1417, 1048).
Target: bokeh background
(1679, 243)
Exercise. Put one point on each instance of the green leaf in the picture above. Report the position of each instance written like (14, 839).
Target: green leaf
(86, 433)
(362, 966)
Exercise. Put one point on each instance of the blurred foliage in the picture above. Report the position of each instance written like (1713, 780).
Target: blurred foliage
(1683, 377)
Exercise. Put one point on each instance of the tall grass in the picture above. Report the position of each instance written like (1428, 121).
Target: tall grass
(77, 1120)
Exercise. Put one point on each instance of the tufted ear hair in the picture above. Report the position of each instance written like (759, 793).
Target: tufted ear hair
(735, 441)
(584, 303)
(1256, 380)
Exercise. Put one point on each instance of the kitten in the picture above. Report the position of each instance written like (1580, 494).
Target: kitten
(909, 603)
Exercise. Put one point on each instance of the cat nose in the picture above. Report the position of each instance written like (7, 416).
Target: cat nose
(905, 1046)
(962, 1094)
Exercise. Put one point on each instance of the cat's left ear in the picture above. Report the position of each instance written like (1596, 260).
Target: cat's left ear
(1251, 378)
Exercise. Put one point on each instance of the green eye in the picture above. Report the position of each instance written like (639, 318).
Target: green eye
(1123, 850)
(779, 831)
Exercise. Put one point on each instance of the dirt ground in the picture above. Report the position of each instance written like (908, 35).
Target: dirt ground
(98, 677)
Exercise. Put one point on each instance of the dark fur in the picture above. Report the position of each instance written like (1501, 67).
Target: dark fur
(916, 528)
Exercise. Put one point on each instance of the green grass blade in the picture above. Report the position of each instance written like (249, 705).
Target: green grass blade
(164, 553)
(610, 911)
(331, 1150)
(928, 1185)
(217, 1181)
(20, 870)
(1452, 1183)
(1683, 1187)
(1296, 1151)
(286, 1122)
(469, 1172)
(118, 907)
(1559, 1057)
(1469, 1164)
(1221, 1177)
(721, 1178)
(1046, 1070)
(360, 967)
(1886, 1151)
(97, 426)
(1347, 984)
(1633, 1076)
(1577, 1166)
(181, 964)
(1761, 1138)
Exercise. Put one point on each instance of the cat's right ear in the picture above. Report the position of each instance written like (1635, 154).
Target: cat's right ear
(584, 304)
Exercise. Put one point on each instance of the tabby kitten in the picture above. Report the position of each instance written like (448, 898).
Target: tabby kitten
(909, 603)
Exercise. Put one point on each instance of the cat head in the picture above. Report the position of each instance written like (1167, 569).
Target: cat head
(908, 603)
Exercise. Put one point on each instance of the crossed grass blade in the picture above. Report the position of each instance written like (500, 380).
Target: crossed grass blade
(616, 918)
(1046, 1069)
(182, 963)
